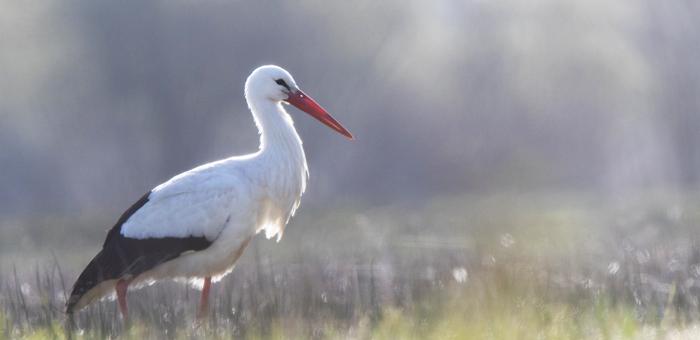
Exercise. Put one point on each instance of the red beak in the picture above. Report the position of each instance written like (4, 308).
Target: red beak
(305, 103)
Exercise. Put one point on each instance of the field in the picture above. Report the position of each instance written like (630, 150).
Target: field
(468, 267)
(520, 169)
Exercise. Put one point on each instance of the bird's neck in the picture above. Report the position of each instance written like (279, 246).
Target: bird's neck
(276, 128)
(280, 146)
(285, 172)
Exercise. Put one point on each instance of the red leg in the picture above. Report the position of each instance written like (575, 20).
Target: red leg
(204, 302)
(121, 288)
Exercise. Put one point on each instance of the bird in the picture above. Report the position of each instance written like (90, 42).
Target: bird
(197, 224)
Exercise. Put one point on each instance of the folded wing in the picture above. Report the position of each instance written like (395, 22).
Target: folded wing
(184, 214)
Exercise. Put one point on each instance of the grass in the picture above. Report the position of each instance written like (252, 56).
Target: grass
(452, 313)
(498, 267)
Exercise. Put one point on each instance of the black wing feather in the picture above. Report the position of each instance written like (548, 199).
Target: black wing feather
(125, 257)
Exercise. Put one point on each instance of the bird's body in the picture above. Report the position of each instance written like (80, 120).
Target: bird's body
(197, 224)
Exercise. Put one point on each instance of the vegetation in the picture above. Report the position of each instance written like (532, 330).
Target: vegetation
(496, 267)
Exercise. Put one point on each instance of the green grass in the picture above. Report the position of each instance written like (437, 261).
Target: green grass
(492, 267)
(453, 314)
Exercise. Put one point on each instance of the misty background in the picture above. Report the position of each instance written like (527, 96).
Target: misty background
(101, 101)
(544, 149)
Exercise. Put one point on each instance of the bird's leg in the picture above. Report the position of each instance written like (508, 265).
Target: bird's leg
(121, 288)
(204, 301)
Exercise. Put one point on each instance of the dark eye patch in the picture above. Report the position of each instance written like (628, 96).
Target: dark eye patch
(281, 82)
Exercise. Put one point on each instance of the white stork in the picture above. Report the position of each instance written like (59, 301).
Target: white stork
(198, 223)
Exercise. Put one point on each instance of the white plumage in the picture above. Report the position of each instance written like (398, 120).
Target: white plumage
(206, 216)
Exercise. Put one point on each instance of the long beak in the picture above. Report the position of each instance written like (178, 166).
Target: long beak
(305, 103)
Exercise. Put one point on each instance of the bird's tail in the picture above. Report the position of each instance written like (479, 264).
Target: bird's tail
(93, 283)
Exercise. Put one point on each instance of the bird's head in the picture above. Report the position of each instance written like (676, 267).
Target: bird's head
(274, 83)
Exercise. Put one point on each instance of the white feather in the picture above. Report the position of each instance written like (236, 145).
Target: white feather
(195, 203)
(264, 188)
(226, 201)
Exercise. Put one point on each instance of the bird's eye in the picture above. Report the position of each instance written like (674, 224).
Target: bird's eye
(281, 82)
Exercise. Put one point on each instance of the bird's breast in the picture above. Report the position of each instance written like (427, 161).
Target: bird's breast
(282, 188)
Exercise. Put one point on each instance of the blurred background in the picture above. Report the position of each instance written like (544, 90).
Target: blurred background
(561, 132)
(101, 101)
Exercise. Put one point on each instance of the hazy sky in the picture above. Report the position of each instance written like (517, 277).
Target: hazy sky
(100, 101)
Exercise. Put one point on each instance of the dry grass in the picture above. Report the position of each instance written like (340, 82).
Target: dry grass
(458, 268)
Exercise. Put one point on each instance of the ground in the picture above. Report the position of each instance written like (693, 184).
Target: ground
(467, 267)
